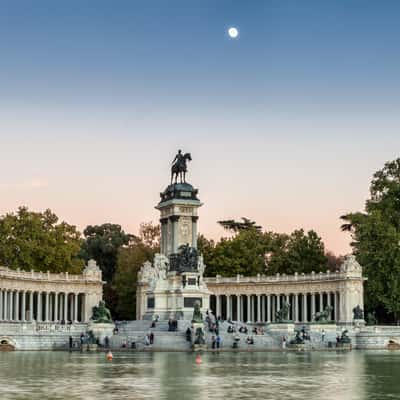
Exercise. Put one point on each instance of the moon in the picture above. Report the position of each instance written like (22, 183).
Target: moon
(233, 32)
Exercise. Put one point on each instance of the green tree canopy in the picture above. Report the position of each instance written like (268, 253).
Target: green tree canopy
(376, 241)
(34, 240)
(237, 226)
(102, 243)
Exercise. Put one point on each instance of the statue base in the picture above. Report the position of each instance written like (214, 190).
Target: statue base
(198, 343)
(284, 327)
(359, 323)
(101, 330)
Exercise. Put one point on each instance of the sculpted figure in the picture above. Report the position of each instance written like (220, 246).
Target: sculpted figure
(197, 316)
(101, 314)
(358, 312)
(179, 167)
(282, 315)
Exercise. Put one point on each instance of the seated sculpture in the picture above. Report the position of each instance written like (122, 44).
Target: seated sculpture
(197, 316)
(282, 315)
(101, 314)
(323, 316)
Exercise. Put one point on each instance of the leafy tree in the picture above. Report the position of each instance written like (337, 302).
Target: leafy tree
(130, 259)
(34, 240)
(237, 226)
(102, 243)
(376, 241)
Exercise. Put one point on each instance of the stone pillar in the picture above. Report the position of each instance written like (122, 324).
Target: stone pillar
(175, 234)
(241, 309)
(65, 316)
(23, 311)
(321, 301)
(252, 308)
(11, 305)
(39, 307)
(273, 306)
(238, 308)
(55, 307)
(328, 304)
(1, 305)
(258, 308)
(31, 306)
(296, 308)
(47, 314)
(17, 305)
(248, 308)
(268, 308)
(75, 307)
(218, 305)
(305, 313)
(228, 310)
(336, 306)
(312, 306)
(263, 308)
(194, 231)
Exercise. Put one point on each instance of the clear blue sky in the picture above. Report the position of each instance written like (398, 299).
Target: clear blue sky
(295, 115)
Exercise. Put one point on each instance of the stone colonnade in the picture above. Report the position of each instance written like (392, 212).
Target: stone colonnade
(21, 305)
(258, 298)
(47, 297)
(263, 307)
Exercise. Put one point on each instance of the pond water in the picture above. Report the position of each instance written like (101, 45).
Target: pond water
(318, 375)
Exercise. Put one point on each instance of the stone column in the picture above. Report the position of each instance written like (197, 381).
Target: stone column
(75, 307)
(305, 313)
(65, 307)
(1, 305)
(31, 306)
(17, 305)
(194, 231)
(321, 301)
(47, 314)
(238, 308)
(11, 304)
(312, 306)
(258, 308)
(39, 307)
(268, 308)
(328, 304)
(248, 308)
(273, 306)
(218, 305)
(227, 308)
(336, 306)
(241, 309)
(263, 308)
(296, 308)
(55, 307)
(175, 234)
(23, 311)
(252, 308)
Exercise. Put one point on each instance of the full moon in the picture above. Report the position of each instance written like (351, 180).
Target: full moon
(233, 32)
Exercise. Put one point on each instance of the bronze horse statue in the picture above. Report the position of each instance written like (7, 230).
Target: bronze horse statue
(179, 167)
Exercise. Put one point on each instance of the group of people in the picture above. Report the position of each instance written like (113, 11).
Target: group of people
(216, 342)
(172, 325)
(149, 339)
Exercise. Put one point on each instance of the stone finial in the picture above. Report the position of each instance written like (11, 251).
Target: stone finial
(92, 269)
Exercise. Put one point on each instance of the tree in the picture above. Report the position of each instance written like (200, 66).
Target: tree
(34, 240)
(237, 226)
(376, 242)
(102, 243)
(130, 259)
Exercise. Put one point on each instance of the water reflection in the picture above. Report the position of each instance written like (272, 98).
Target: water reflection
(339, 376)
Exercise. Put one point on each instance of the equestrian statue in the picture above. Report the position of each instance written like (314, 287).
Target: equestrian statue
(179, 168)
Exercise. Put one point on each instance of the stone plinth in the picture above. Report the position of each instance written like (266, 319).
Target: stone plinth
(322, 327)
(198, 346)
(101, 330)
(284, 327)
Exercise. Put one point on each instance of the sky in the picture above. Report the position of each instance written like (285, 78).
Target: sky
(286, 124)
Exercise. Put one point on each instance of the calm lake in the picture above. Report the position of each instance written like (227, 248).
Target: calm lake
(61, 375)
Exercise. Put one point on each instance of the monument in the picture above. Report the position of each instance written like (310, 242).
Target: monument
(173, 283)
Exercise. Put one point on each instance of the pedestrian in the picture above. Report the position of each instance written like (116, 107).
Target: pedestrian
(106, 342)
(284, 342)
(71, 342)
(218, 341)
(323, 335)
(151, 337)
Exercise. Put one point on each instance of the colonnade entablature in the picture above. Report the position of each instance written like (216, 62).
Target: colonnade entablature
(27, 296)
(258, 298)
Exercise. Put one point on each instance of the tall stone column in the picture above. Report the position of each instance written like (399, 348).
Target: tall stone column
(305, 313)
(248, 308)
(75, 307)
(337, 311)
(328, 304)
(321, 301)
(218, 305)
(194, 231)
(47, 309)
(23, 311)
(65, 307)
(1, 304)
(16, 314)
(268, 308)
(296, 308)
(31, 306)
(263, 308)
(11, 304)
(228, 307)
(312, 306)
(175, 234)
(55, 307)
(258, 308)
(238, 308)
(252, 309)
(241, 308)
(39, 307)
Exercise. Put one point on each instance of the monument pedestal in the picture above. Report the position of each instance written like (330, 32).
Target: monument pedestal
(198, 336)
(284, 327)
(101, 330)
